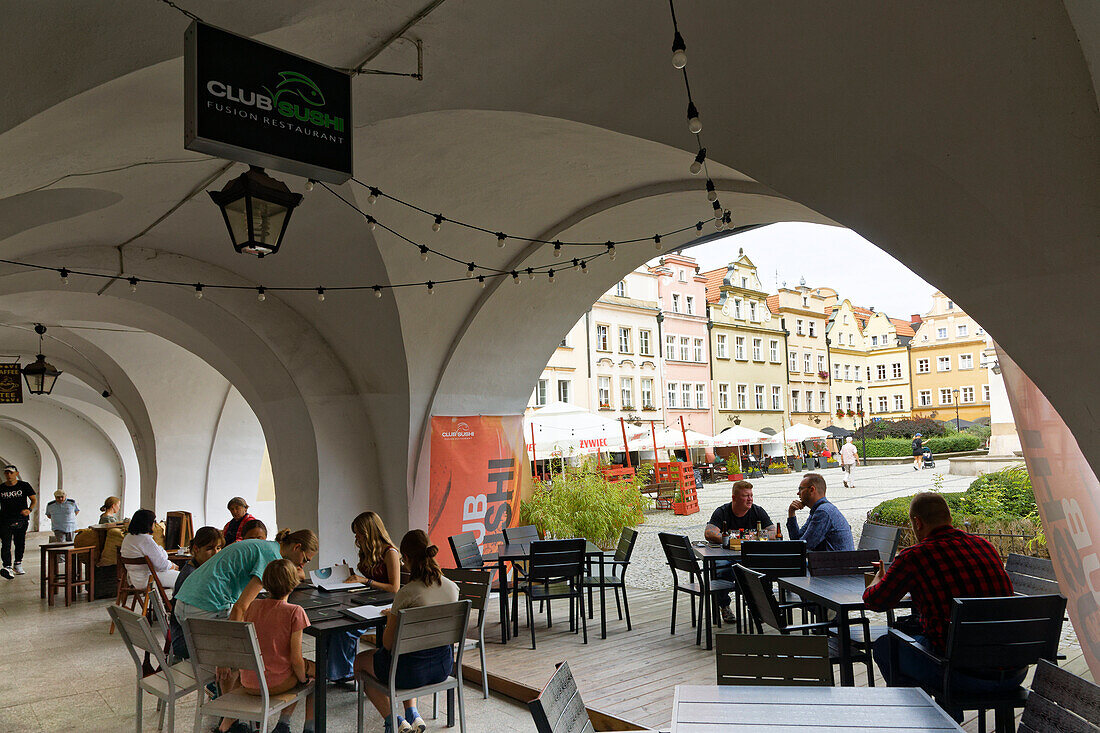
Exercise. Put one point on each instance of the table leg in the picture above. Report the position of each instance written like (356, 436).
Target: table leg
(502, 580)
(707, 601)
(42, 570)
(844, 630)
(451, 704)
(91, 576)
(603, 601)
(320, 684)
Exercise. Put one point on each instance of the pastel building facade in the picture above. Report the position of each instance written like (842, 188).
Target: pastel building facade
(802, 314)
(888, 378)
(566, 376)
(946, 364)
(684, 339)
(848, 357)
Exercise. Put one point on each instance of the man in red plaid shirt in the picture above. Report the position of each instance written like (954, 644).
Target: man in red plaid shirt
(945, 563)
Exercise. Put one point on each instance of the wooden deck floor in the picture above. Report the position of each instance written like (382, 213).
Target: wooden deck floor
(630, 674)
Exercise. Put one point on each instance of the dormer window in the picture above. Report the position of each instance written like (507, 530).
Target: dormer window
(620, 289)
(745, 282)
(683, 276)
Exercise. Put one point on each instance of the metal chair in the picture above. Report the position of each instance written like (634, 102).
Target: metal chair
(559, 708)
(1062, 701)
(467, 553)
(168, 684)
(527, 533)
(882, 538)
(756, 659)
(1031, 576)
(219, 643)
(988, 635)
(681, 558)
(554, 571)
(849, 562)
(418, 629)
(775, 559)
(618, 562)
(473, 586)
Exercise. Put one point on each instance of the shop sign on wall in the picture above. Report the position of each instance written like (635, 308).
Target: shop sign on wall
(11, 384)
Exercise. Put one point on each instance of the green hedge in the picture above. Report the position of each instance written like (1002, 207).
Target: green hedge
(1003, 494)
(899, 447)
(902, 428)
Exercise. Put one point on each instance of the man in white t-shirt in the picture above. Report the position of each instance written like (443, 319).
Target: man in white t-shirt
(849, 458)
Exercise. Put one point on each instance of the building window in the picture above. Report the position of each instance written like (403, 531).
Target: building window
(643, 343)
(620, 289)
(752, 310)
(897, 370)
(737, 308)
(722, 346)
(685, 348)
(845, 319)
(793, 361)
(857, 373)
(848, 372)
(723, 396)
(564, 342)
(950, 305)
(699, 350)
(899, 403)
(626, 392)
(836, 371)
(647, 393)
(874, 341)
(624, 340)
(601, 338)
(603, 389)
(742, 392)
(848, 399)
(943, 364)
(941, 333)
(813, 328)
(758, 396)
(966, 395)
(794, 400)
(851, 339)
(945, 396)
(821, 363)
(805, 302)
(683, 276)
(670, 348)
(807, 362)
(966, 361)
(922, 366)
(675, 302)
(745, 282)
(773, 351)
(798, 327)
(960, 330)
(540, 392)
(985, 393)
(839, 404)
(689, 301)
(671, 402)
(809, 401)
(685, 395)
(564, 389)
(881, 369)
(701, 396)
(758, 349)
(739, 347)
(925, 397)
(777, 398)
(823, 402)
(883, 404)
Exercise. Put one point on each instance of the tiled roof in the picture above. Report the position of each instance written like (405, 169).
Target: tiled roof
(714, 283)
(773, 303)
(902, 327)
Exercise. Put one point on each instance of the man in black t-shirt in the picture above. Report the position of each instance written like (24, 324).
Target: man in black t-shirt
(727, 519)
(17, 501)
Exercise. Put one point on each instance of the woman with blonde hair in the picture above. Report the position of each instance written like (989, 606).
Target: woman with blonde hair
(379, 567)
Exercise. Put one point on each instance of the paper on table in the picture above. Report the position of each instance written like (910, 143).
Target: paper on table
(367, 612)
(333, 578)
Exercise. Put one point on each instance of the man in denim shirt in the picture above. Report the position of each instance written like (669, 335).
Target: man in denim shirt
(825, 528)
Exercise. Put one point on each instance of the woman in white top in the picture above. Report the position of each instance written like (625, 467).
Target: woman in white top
(139, 542)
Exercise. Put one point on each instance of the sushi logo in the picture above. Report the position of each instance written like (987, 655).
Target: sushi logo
(462, 431)
(296, 96)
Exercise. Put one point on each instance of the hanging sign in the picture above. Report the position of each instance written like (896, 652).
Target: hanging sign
(251, 102)
(11, 384)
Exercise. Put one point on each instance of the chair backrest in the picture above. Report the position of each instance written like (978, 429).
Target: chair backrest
(678, 553)
(850, 562)
(1061, 701)
(559, 708)
(759, 597)
(137, 634)
(1031, 576)
(146, 562)
(1006, 632)
(221, 643)
(161, 613)
(556, 559)
(775, 559)
(528, 533)
(881, 538)
(766, 659)
(428, 627)
(473, 586)
(625, 548)
(465, 550)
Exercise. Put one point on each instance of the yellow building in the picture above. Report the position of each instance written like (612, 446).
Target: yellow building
(802, 313)
(946, 364)
(848, 357)
(888, 378)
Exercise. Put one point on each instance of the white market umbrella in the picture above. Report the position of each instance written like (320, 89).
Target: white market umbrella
(561, 430)
(799, 432)
(738, 435)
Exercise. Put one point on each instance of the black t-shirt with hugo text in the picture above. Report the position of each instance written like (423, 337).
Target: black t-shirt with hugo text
(14, 499)
(726, 521)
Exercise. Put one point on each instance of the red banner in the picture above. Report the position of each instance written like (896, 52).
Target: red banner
(478, 476)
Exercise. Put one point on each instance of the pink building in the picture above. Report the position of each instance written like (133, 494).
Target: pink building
(682, 325)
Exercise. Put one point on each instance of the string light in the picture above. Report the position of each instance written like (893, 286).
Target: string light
(515, 277)
(133, 284)
(377, 291)
(260, 294)
(584, 267)
(64, 276)
(320, 295)
(431, 288)
(695, 125)
(310, 183)
(679, 51)
(438, 223)
(470, 269)
(423, 253)
(551, 274)
(481, 281)
(712, 194)
(611, 250)
(372, 223)
(500, 239)
(530, 273)
(374, 194)
(198, 291)
(557, 249)
(657, 242)
(697, 164)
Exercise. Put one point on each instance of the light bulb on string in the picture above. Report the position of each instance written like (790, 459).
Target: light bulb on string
(584, 267)
(133, 284)
(320, 295)
(373, 195)
(309, 184)
(530, 274)
(261, 294)
(657, 242)
(695, 125)
(438, 223)
(372, 223)
(431, 288)
(423, 253)
(551, 275)
(470, 269)
(727, 219)
(679, 51)
(64, 276)
(198, 291)
(515, 277)
(697, 164)
(611, 250)
(698, 226)
(557, 249)
(717, 210)
(481, 281)
(377, 291)
(712, 194)
(500, 239)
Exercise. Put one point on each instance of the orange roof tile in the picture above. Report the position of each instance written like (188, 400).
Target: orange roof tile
(773, 303)
(902, 327)
(714, 283)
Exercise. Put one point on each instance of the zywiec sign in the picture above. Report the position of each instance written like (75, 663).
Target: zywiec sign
(248, 101)
(11, 384)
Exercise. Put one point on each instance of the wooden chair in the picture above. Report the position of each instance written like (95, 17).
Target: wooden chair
(1031, 576)
(985, 634)
(554, 571)
(79, 572)
(559, 708)
(169, 683)
(756, 659)
(614, 573)
(473, 586)
(128, 593)
(217, 643)
(424, 627)
(882, 538)
(43, 565)
(681, 559)
(1060, 701)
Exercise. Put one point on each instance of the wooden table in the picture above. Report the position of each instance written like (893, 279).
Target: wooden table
(734, 709)
(323, 630)
(520, 552)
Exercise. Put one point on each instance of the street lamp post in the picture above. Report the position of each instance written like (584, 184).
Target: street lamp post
(955, 398)
(862, 425)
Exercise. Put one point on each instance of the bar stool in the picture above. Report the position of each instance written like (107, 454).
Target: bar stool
(79, 572)
(42, 562)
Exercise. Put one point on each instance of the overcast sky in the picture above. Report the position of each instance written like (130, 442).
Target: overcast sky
(825, 256)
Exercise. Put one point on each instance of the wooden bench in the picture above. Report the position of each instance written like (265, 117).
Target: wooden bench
(1031, 576)
(662, 492)
(1062, 701)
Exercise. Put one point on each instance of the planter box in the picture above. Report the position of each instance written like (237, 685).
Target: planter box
(796, 464)
(735, 476)
(832, 464)
(773, 470)
(686, 507)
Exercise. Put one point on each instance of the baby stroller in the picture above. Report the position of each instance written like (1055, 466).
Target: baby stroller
(927, 456)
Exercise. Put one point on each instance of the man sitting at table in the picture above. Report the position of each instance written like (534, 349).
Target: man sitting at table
(739, 514)
(945, 563)
(825, 528)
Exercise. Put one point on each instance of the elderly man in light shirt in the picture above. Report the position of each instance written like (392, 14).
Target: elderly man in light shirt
(849, 458)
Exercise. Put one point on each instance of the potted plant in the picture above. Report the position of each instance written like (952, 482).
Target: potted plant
(839, 412)
(851, 413)
(775, 467)
(682, 506)
(823, 374)
(733, 469)
(796, 463)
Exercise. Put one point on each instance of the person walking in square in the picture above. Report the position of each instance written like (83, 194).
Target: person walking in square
(918, 452)
(849, 458)
(62, 513)
(17, 501)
